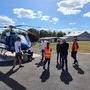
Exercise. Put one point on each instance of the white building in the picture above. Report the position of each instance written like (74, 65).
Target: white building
(50, 39)
(81, 36)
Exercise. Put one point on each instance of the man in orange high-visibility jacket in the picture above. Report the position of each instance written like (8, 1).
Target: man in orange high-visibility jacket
(47, 52)
(75, 47)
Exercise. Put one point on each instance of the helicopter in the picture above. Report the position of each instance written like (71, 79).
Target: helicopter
(9, 36)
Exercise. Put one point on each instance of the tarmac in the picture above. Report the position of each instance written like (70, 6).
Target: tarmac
(33, 77)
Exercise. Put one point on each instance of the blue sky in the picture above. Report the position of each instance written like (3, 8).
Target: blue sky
(65, 15)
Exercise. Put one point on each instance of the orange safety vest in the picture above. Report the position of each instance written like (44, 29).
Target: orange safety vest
(75, 46)
(48, 53)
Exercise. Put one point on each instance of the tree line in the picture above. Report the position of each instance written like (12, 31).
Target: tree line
(44, 33)
(41, 33)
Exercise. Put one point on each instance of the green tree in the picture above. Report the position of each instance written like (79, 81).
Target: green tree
(34, 31)
(49, 34)
(54, 34)
(43, 33)
(60, 34)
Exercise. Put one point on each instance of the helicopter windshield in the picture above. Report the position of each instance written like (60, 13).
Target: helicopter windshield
(24, 40)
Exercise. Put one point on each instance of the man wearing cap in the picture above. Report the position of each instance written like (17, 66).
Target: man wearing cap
(18, 52)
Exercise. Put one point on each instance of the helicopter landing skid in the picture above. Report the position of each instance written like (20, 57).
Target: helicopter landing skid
(3, 52)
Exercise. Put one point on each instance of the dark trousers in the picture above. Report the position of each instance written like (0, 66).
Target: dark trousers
(58, 57)
(64, 61)
(47, 60)
(42, 51)
(30, 55)
(74, 55)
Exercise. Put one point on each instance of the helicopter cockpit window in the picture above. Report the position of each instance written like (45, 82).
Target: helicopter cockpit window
(10, 39)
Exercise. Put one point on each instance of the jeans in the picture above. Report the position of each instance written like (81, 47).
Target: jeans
(58, 57)
(47, 60)
(64, 61)
(74, 55)
(42, 51)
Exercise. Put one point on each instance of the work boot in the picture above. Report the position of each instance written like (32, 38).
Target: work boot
(48, 68)
(66, 69)
(62, 69)
(76, 63)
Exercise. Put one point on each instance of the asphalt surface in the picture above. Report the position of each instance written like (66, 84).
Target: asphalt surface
(33, 77)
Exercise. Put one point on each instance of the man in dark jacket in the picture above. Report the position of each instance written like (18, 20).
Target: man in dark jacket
(64, 52)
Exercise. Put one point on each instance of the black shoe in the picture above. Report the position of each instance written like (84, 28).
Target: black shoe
(48, 69)
(62, 69)
(76, 63)
(13, 67)
(30, 60)
(21, 66)
(66, 69)
(41, 59)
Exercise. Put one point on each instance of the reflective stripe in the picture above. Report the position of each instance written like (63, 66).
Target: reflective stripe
(47, 53)
(75, 47)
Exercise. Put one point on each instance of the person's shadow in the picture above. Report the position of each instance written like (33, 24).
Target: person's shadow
(40, 63)
(66, 77)
(11, 71)
(13, 84)
(45, 76)
(80, 71)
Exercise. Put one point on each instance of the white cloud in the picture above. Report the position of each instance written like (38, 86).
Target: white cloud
(30, 14)
(26, 13)
(54, 20)
(67, 29)
(39, 14)
(6, 20)
(68, 7)
(23, 23)
(45, 18)
(86, 14)
(73, 23)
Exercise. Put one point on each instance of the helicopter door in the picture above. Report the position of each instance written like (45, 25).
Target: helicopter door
(10, 40)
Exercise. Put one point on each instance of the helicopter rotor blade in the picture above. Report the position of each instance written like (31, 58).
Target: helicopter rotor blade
(19, 25)
(33, 37)
(21, 29)
(2, 26)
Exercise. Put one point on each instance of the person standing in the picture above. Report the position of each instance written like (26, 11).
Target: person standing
(64, 53)
(8, 40)
(48, 51)
(42, 49)
(75, 47)
(18, 52)
(58, 50)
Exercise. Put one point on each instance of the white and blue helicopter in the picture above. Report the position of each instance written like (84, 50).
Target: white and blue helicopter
(8, 38)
